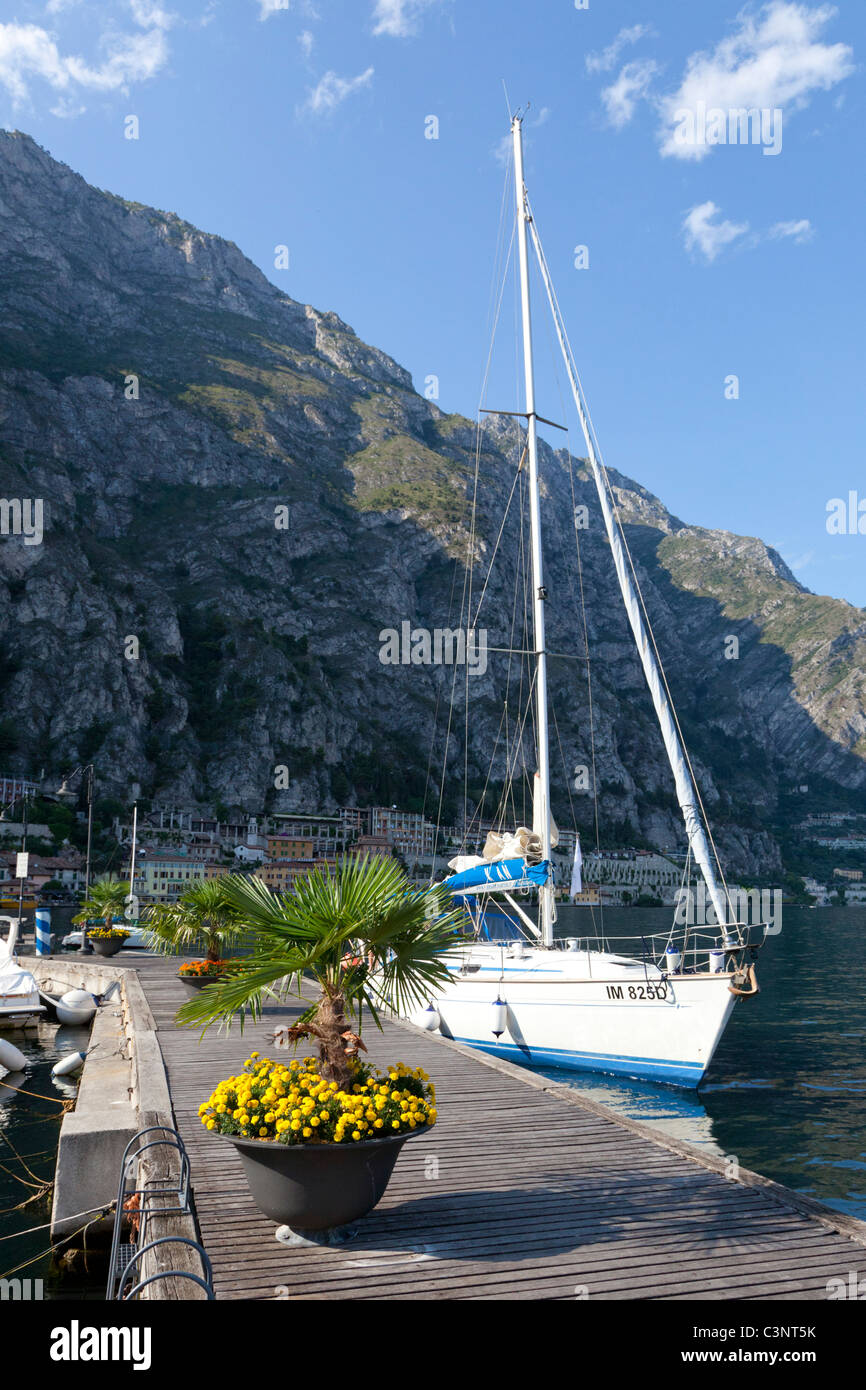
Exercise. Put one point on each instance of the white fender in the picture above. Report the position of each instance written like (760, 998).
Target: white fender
(428, 1019)
(10, 1057)
(75, 1006)
(499, 1020)
(68, 1065)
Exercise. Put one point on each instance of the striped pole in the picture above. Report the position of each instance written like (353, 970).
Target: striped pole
(43, 931)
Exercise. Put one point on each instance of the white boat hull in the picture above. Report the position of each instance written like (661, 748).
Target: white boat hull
(20, 1004)
(587, 1011)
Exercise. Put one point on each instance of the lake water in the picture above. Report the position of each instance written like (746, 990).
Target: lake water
(786, 1093)
(29, 1133)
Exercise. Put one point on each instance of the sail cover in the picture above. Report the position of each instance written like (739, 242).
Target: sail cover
(503, 874)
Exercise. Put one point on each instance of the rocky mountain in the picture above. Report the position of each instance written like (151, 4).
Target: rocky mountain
(240, 497)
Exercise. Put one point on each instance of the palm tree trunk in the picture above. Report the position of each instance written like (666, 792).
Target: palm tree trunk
(330, 1025)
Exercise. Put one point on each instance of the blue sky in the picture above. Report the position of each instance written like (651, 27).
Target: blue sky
(304, 124)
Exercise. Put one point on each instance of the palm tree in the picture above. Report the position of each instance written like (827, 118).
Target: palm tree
(363, 934)
(106, 898)
(202, 914)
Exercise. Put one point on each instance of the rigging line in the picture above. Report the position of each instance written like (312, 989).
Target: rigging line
(495, 549)
(529, 651)
(435, 730)
(590, 704)
(695, 785)
(521, 726)
(508, 785)
(467, 578)
(480, 804)
(613, 500)
(597, 926)
(564, 770)
(517, 748)
(519, 617)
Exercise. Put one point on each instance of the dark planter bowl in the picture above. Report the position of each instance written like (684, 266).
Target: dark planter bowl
(107, 947)
(317, 1187)
(196, 982)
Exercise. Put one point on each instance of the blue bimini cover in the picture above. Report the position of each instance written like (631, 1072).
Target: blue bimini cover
(503, 874)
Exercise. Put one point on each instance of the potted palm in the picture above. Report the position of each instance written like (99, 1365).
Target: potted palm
(202, 917)
(106, 899)
(319, 1137)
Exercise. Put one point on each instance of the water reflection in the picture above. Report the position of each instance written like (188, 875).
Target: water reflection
(785, 1094)
(680, 1114)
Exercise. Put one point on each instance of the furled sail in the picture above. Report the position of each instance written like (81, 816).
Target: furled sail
(685, 787)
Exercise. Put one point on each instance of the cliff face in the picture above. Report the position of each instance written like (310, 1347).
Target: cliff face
(240, 496)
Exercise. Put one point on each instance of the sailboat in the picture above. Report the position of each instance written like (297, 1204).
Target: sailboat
(659, 1009)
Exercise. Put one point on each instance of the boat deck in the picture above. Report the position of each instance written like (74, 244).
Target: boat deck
(521, 1191)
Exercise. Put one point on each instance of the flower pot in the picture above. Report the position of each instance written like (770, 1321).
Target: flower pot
(107, 946)
(194, 983)
(316, 1187)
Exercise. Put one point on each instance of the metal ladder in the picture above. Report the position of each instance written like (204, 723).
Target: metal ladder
(124, 1258)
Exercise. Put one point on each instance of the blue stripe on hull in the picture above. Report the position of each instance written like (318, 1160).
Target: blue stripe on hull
(643, 1068)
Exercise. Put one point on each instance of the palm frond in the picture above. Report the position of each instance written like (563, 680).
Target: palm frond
(365, 908)
(106, 896)
(202, 916)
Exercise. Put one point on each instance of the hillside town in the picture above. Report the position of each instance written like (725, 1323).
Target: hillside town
(177, 846)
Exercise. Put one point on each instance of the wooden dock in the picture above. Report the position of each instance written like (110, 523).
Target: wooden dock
(523, 1190)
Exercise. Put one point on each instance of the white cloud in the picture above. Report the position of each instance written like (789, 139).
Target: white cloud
(606, 60)
(502, 149)
(633, 84)
(67, 108)
(269, 7)
(332, 90)
(399, 18)
(706, 236)
(799, 562)
(150, 14)
(28, 54)
(307, 41)
(800, 231)
(774, 59)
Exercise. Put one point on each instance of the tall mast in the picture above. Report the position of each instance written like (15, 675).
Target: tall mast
(542, 782)
(683, 779)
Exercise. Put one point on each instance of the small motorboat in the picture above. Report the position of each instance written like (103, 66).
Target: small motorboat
(20, 1004)
(19, 995)
(138, 939)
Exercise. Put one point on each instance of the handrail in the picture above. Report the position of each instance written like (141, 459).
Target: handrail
(206, 1283)
(168, 1137)
(174, 1274)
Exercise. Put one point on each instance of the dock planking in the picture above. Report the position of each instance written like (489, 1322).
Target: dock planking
(521, 1191)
